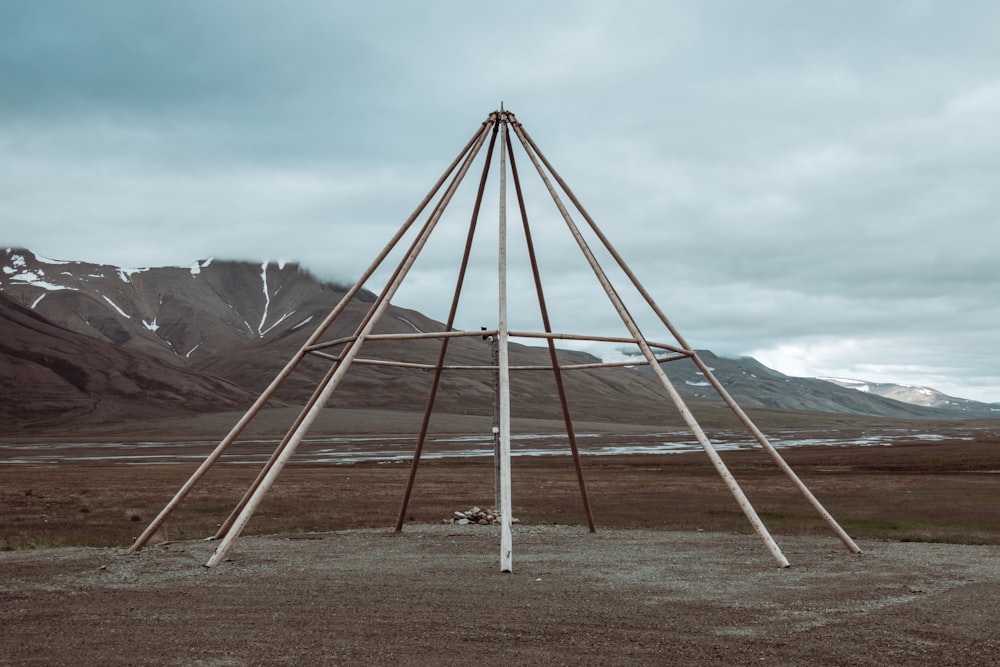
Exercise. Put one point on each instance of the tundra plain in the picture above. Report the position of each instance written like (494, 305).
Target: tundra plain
(673, 575)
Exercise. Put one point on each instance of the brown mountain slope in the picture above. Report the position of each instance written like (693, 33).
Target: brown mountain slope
(234, 326)
(51, 375)
(240, 323)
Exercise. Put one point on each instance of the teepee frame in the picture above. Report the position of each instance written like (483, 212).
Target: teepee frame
(500, 124)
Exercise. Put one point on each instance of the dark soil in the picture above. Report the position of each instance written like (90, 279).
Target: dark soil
(433, 595)
(673, 575)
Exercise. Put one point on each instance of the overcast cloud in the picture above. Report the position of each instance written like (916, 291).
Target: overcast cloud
(813, 184)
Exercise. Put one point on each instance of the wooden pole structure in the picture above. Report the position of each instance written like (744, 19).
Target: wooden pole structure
(501, 123)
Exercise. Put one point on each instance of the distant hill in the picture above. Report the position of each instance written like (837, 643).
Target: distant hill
(753, 384)
(925, 396)
(238, 324)
(51, 375)
(90, 343)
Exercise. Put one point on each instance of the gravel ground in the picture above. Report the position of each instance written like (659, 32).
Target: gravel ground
(433, 595)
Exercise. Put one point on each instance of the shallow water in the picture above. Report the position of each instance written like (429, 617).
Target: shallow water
(347, 450)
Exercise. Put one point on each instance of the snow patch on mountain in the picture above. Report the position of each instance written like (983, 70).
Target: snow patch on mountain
(267, 299)
(20, 272)
(36, 281)
(411, 324)
(126, 274)
(46, 260)
(302, 323)
(197, 266)
(280, 320)
(115, 306)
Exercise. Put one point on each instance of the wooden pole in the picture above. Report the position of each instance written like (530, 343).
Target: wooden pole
(495, 430)
(231, 519)
(777, 458)
(503, 369)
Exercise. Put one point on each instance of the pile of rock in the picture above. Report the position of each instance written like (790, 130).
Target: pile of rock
(476, 515)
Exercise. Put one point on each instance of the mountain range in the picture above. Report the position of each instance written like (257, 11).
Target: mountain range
(753, 384)
(84, 343)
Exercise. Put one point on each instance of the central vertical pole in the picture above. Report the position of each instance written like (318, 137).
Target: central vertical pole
(503, 369)
(495, 363)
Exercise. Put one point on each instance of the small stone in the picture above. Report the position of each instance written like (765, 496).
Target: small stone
(483, 522)
(459, 515)
(463, 522)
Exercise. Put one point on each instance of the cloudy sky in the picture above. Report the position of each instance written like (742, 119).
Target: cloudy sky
(814, 184)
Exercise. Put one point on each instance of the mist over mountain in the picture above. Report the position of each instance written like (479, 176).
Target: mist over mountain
(83, 342)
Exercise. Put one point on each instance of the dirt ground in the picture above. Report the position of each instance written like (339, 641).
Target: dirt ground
(673, 574)
(433, 594)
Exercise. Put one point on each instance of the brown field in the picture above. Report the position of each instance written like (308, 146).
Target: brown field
(943, 491)
(692, 585)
